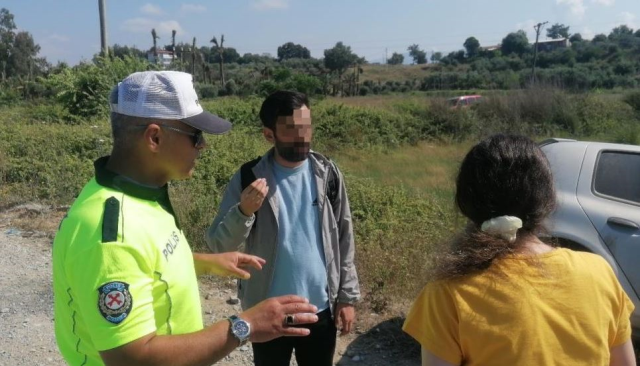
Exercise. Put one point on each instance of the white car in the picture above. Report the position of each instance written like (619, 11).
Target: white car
(598, 189)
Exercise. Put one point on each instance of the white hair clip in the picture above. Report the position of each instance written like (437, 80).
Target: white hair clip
(504, 227)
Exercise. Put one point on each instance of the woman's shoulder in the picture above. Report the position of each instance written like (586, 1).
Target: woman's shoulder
(587, 259)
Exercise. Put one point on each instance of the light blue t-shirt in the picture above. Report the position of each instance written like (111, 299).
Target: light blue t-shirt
(300, 267)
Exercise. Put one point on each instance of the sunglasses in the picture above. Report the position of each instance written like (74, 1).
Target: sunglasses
(196, 137)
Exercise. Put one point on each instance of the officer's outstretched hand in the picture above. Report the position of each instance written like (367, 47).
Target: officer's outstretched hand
(252, 197)
(277, 316)
(227, 264)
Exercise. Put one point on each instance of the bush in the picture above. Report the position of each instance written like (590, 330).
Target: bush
(51, 113)
(307, 84)
(84, 89)
(9, 97)
(241, 112)
(633, 99)
(207, 91)
(230, 88)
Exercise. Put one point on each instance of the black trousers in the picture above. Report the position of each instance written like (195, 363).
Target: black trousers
(316, 349)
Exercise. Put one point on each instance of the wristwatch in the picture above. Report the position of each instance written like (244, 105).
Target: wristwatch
(240, 329)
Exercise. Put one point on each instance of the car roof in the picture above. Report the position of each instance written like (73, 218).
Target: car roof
(570, 143)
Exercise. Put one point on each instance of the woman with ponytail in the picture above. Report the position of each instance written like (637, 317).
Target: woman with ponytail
(498, 295)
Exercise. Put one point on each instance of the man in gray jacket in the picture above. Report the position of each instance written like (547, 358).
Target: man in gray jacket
(290, 207)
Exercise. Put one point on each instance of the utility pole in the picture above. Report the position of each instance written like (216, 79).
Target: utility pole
(103, 29)
(538, 28)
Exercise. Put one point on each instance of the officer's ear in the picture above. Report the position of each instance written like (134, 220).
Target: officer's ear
(152, 137)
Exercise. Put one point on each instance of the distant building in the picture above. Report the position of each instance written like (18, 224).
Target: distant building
(553, 44)
(491, 48)
(164, 57)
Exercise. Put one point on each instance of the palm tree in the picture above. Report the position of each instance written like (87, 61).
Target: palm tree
(220, 49)
(155, 48)
(173, 45)
(103, 29)
(193, 59)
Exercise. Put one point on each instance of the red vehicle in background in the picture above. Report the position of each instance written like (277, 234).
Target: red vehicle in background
(464, 101)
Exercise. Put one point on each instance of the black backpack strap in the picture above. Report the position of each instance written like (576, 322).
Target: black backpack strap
(246, 173)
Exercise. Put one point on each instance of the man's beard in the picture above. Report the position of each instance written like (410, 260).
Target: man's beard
(293, 152)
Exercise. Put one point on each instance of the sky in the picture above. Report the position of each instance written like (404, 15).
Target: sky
(69, 30)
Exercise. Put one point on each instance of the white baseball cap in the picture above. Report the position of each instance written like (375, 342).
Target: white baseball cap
(165, 95)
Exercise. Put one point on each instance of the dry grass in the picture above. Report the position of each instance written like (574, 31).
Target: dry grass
(384, 73)
(43, 221)
(426, 168)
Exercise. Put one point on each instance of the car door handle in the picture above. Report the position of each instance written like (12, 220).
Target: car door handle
(623, 222)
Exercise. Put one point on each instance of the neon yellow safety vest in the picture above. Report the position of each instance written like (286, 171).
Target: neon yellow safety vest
(122, 269)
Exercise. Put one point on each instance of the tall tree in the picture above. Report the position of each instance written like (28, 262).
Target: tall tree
(575, 38)
(7, 36)
(515, 43)
(155, 43)
(600, 38)
(558, 31)
(229, 54)
(419, 56)
(472, 46)
(122, 51)
(436, 57)
(220, 48)
(103, 29)
(396, 59)
(23, 58)
(619, 31)
(193, 58)
(339, 59)
(173, 45)
(291, 50)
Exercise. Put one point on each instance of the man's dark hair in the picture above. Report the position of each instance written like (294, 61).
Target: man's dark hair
(503, 175)
(281, 103)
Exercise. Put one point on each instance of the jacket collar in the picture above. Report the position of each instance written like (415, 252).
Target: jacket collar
(109, 179)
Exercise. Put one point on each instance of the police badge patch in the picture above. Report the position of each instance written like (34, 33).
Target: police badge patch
(114, 301)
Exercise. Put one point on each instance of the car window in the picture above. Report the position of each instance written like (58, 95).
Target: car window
(618, 175)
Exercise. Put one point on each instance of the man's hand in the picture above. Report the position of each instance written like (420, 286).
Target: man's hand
(252, 197)
(267, 319)
(345, 317)
(227, 264)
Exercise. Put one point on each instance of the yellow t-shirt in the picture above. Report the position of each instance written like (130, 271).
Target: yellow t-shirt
(563, 308)
(122, 269)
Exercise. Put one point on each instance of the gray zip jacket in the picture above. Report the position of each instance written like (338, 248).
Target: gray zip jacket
(230, 229)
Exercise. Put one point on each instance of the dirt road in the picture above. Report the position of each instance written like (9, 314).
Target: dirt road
(26, 307)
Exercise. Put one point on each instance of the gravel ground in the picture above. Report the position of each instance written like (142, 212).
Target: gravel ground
(26, 306)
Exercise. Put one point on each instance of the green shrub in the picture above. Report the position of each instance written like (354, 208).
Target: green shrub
(9, 96)
(206, 91)
(633, 99)
(230, 88)
(84, 89)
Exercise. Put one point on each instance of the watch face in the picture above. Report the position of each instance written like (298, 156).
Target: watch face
(241, 328)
